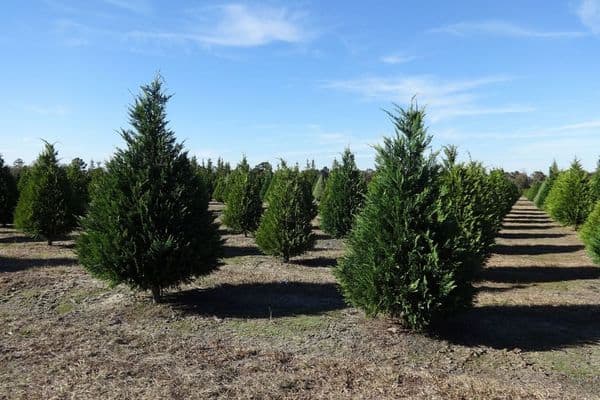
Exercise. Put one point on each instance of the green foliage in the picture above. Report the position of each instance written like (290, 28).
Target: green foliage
(220, 191)
(402, 258)
(264, 174)
(595, 184)
(285, 229)
(343, 197)
(468, 195)
(319, 188)
(79, 180)
(570, 201)
(244, 205)
(44, 208)
(542, 194)
(8, 194)
(148, 223)
(590, 233)
(504, 193)
(532, 191)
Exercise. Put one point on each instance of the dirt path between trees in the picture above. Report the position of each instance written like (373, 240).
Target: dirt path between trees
(259, 328)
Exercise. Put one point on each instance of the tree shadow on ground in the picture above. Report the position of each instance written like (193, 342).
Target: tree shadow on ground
(259, 300)
(323, 262)
(321, 236)
(528, 235)
(527, 213)
(538, 274)
(240, 251)
(535, 249)
(529, 328)
(529, 226)
(493, 289)
(9, 264)
(20, 239)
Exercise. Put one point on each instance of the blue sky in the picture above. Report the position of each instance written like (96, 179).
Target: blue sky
(514, 84)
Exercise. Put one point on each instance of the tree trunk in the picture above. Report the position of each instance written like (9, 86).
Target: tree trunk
(49, 242)
(155, 294)
(286, 258)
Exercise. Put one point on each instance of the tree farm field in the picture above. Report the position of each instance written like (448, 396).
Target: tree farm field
(261, 328)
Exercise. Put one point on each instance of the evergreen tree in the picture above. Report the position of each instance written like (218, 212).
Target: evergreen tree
(44, 207)
(264, 174)
(401, 257)
(532, 191)
(542, 194)
(8, 194)
(244, 206)
(570, 201)
(595, 183)
(343, 197)
(79, 180)
(285, 228)
(319, 188)
(220, 191)
(590, 233)
(148, 223)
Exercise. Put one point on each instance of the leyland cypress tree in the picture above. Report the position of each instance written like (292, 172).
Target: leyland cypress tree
(148, 223)
(8, 194)
(285, 228)
(542, 194)
(595, 183)
(244, 206)
(79, 180)
(44, 207)
(343, 197)
(401, 257)
(319, 188)
(570, 201)
(590, 233)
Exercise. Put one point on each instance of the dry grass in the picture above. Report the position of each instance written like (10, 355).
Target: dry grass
(262, 329)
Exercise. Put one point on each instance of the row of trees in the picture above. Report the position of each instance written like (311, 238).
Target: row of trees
(417, 229)
(572, 197)
(46, 199)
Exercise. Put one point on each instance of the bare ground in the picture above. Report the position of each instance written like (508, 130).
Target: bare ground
(259, 328)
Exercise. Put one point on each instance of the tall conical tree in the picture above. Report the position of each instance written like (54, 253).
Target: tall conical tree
(244, 206)
(148, 223)
(319, 188)
(44, 208)
(79, 180)
(542, 194)
(400, 257)
(595, 183)
(570, 201)
(8, 194)
(343, 197)
(285, 229)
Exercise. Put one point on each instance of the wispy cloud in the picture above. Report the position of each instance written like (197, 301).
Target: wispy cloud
(238, 25)
(443, 98)
(589, 13)
(135, 6)
(502, 28)
(397, 59)
(53, 111)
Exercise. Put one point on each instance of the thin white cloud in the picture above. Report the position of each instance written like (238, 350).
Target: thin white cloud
(397, 59)
(589, 14)
(238, 25)
(51, 111)
(443, 99)
(135, 6)
(502, 28)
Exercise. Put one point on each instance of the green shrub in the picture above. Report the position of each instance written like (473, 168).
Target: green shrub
(148, 223)
(220, 191)
(343, 197)
(532, 191)
(569, 201)
(285, 228)
(401, 255)
(542, 194)
(590, 233)
(8, 194)
(44, 208)
(319, 188)
(79, 180)
(244, 206)
(595, 184)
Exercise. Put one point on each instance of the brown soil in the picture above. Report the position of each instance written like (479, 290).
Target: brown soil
(259, 328)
